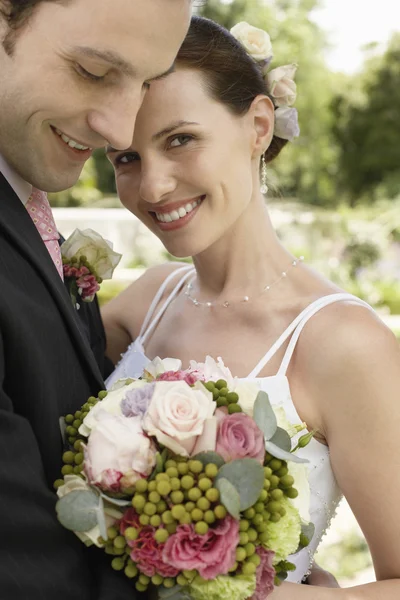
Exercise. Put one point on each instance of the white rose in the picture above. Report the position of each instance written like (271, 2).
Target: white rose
(284, 423)
(212, 370)
(177, 415)
(159, 366)
(98, 251)
(256, 41)
(300, 473)
(286, 123)
(72, 483)
(118, 453)
(247, 391)
(282, 86)
(111, 405)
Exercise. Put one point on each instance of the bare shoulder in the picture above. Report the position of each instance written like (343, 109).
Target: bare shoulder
(129, 308)
(345, 335)
(348, 358)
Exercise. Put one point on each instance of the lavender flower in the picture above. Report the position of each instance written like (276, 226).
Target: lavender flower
(136, 402)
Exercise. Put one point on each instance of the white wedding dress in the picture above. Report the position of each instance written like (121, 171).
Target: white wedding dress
(325, 494)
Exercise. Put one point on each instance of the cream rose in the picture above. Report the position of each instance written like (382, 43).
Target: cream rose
(282, 86)
(111, 405)
(118, 453)
(256, 41)
(178, 414)
(212, 370)
(99, 252)
(159, 366)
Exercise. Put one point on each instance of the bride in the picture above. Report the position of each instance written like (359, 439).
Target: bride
(192, 175)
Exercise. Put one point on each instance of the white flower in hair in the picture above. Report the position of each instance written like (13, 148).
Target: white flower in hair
(256, 41)
(286, 123)
(282, 86)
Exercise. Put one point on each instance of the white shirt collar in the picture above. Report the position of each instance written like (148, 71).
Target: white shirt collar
(22, 188)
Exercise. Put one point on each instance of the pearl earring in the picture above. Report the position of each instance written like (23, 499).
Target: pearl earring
(264, 187)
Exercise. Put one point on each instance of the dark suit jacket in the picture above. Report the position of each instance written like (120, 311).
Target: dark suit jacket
(47, 369)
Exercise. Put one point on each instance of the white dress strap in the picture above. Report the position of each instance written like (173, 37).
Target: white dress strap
(296, 328)
(148, 328)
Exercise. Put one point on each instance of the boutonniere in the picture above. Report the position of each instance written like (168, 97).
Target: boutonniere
(87, 259)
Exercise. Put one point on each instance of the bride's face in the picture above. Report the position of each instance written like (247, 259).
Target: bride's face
(190, 172)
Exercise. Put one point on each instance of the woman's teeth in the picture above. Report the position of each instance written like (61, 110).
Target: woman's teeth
(175, 215)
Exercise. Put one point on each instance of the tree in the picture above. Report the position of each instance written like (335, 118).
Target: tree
(367, 129)
(306, 167)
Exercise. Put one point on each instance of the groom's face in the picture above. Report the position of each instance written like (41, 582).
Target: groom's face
(76, 78)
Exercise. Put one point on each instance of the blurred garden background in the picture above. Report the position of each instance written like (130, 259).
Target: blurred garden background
(334, 193)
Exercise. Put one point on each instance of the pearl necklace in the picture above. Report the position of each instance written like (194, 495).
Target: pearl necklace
(226, 304)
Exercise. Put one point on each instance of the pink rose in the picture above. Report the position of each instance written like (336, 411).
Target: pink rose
(239, 437)
(265, 574)
(118, 453)
(211, 554)
(178, 414)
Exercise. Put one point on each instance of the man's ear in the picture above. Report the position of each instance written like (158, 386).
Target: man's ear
(263, 120)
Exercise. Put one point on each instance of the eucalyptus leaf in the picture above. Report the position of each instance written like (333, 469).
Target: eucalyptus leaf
(281, 438)
(209, 457)
(229, 497)
(308, 529)
(115, 501)
(282, 575)
(77, 510)
(63, 430)
(282, 454)
(264, 416)
(160, 460)
(101, 519)
(164, 593)
(247, 476)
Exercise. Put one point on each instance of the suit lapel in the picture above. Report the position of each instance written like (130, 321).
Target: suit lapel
(16, 224)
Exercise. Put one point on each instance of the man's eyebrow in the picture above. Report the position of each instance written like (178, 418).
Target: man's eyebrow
(171, 128)
(116, 61)
(107, 56)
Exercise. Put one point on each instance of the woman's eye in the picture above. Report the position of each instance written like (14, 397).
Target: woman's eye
(87, 74)
(125, 159)
(180, 140)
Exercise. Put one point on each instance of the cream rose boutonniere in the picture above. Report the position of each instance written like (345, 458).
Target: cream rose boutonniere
(87, 259)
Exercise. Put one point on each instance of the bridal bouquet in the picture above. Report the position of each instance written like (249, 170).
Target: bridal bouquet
(189, 480)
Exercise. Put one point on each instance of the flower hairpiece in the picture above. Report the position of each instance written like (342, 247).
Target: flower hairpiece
(280, 80)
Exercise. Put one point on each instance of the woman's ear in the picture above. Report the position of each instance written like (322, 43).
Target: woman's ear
(263, 120)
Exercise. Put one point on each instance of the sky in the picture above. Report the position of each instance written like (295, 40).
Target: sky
(354, 23)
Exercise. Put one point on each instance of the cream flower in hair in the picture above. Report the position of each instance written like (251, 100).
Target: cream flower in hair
(256, 42)
(282, 86)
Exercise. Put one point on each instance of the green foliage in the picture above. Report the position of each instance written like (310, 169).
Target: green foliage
(306, 167)
(347, 557)
(367, 129)
(84, 192)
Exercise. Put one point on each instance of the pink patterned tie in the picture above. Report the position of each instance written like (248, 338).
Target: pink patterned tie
(39, 209)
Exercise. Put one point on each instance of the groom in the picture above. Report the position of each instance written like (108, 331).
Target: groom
(73, 74)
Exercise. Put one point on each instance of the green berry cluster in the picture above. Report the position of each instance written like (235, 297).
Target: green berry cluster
(73, 457)
(222, 395)
(253, 526)
(182, 494)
